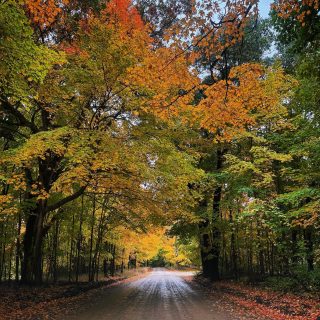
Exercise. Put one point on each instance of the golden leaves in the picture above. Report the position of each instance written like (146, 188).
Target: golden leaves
(7, 206)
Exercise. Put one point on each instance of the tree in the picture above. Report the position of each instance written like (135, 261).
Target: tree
(81, 109)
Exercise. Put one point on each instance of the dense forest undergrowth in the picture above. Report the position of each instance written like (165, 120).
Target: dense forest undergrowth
(162, 133)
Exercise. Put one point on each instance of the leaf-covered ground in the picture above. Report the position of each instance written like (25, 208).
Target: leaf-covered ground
(53, 301)
(240, 300)
(252, 302)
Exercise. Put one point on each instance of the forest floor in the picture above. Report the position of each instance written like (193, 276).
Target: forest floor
(157, 295)
(248, 301)
(54, 301)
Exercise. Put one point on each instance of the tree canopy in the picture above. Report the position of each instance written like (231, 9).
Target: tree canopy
(158, 132)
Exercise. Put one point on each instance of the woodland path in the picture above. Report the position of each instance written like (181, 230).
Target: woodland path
(160, 295)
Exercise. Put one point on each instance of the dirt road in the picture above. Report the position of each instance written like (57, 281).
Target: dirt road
(160, 295)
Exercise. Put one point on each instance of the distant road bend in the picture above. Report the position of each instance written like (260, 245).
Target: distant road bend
(160, 295)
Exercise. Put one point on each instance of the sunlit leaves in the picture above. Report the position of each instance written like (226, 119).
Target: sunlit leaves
(44, 13)
(23, 63)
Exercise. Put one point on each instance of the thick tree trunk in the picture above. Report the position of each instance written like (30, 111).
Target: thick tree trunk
(206, 250)
(216, 235)
(3, 251)
(32, 248)
(309, 248)
(294, 247)
(210, 241)
(233, 253)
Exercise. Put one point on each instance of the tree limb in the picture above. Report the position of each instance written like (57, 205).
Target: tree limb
(67, 199)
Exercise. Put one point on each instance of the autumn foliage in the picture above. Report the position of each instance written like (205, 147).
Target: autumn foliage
(44, 13)
(130, 132)
(300, 10)
(122, 12)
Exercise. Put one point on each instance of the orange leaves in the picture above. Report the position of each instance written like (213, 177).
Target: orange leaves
(249, 93)
(216, 26)
(168, 83)
(122, 13)
(228, 105)
(44, 13)
(299, 9)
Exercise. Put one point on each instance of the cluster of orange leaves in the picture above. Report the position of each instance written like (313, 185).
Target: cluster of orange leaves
(250, 92)
(120, 15)
(44, 13)
(222, 25)
(124, 13)
(299, 9)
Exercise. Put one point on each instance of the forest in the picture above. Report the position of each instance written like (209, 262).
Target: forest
(168, 133)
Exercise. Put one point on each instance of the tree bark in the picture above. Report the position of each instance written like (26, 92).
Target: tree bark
(309, 248)
(79, 241)
(32, 248)
(210, 239)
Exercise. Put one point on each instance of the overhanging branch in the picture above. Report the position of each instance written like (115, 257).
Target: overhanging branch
(67, 199)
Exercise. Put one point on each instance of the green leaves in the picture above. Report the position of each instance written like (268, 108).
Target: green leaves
(23, 63)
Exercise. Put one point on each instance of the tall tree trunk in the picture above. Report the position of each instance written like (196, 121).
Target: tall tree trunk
(210, 241)
(32, 248)
(91, 271)
(294, 247)
(3, 251)
(309, 248)
(113, 261)
(71, 250)
(96, 256)
(18, 247)
(233, 254)
(79, 240)
(55, 251)
(216, 235)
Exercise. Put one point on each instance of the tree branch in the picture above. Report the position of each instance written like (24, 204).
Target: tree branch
(24, 122)
(67, 199)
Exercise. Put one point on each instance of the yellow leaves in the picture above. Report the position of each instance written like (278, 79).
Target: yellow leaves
(17, 180)
(39, 146)
(39, 192)
(264, 154)
(7, 206)
(147, 245)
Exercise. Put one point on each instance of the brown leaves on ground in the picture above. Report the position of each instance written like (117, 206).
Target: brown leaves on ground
(52, 301)
(251, 302)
